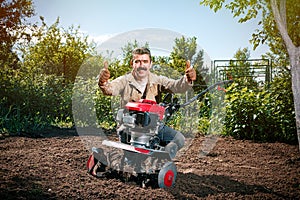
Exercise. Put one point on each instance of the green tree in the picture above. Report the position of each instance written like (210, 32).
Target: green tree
(186, 49)
(240, 69)
(280, 20)
(57, 51)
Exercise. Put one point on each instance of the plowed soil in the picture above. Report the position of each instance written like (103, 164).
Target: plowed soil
(54, 167)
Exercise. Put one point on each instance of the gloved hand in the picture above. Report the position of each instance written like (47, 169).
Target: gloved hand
(190, 72)
(104, 75)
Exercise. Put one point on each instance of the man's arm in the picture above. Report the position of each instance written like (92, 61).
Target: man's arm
(182, 84)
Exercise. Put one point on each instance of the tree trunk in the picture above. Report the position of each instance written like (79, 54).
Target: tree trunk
(295, 69)
(294, 55)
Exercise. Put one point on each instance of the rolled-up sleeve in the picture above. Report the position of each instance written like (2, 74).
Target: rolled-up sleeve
(176, 86)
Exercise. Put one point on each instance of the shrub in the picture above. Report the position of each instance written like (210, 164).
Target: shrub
(265, 114)
(32, 102)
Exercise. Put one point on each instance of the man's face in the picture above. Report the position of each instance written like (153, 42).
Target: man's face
(141, 65)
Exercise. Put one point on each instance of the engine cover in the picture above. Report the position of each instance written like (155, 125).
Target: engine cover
(145, 105)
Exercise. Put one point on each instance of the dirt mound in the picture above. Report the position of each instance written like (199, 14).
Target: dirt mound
(54, 167)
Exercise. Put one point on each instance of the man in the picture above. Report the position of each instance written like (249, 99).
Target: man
(142, 84)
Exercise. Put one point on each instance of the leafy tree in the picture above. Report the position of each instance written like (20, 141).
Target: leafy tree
(186, 49)
(280, 20)
(292, 44)
(34, 90)
(13, 25)
(57, 51)
(240, 69)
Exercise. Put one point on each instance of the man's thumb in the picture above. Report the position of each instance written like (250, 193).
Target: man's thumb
(187, 65)
(105, 65)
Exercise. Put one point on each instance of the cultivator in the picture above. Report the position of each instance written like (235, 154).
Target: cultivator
(139, 154)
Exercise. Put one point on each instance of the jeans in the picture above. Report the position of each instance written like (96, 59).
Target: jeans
(167, 134)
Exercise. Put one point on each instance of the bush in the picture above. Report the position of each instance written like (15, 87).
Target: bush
(90, 107)
(30, 103)
(33, 102)
(265, 114)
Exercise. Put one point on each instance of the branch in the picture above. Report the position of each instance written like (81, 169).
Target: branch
(281, 24)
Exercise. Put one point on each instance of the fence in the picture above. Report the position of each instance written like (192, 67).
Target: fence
(258, 69)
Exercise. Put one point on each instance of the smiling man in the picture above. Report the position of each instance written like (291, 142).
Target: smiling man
(142, 84)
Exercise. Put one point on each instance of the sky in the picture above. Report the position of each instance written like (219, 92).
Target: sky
(218, 34)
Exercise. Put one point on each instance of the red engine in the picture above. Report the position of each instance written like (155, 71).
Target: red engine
(139, 122)
(145, 105)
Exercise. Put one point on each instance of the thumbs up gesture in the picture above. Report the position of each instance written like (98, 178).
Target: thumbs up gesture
(104, 75)
(190, 72)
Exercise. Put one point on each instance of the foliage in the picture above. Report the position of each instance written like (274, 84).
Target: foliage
(240, 69)
(90, 108)
(281, 34)
(268, 33)
(186, 49)
(251, 9)
(29, 105)
(37, 91)
(13, 27)
(33, 95)
(57, 51)
(91, 67)
(262, 115)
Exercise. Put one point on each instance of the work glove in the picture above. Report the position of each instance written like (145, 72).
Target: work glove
(190, 72)
(104, 75)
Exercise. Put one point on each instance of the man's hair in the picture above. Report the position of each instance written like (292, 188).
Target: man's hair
(141, 51)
